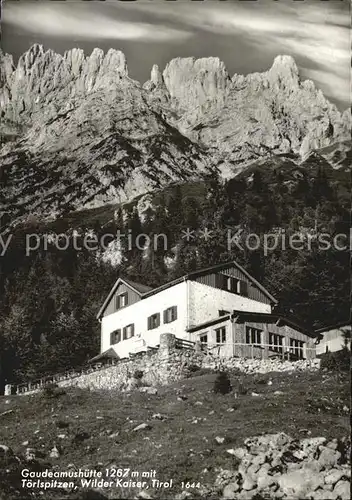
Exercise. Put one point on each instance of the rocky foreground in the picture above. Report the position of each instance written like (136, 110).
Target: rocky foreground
(279, 466)
(268, 466)
(275, 435)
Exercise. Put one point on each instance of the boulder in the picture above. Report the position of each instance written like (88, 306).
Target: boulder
(328, 457)
(343, 490)
(322, 495)
(239, 453)
(298, 483)
(30, 454)
(149, 390)
(309, 445)
(159, 416)
(230, 490)
(248, 483)
(142, 427)
(5, 451)
(220, 439)
(264, 480)
(144, 495)
(333, 476)
(54, 453)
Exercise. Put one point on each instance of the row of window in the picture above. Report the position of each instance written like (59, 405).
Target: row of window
(254, 336)
(169, 315)
(220, 336)
(231, 284)
(122, 334)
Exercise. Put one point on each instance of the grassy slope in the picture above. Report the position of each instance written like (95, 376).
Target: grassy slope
(310, 403)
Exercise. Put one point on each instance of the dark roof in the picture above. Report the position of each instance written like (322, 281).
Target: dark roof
(334, 326)
(138, 286)
(110, 353)
(146, 291)
(207, 270)
(256, 317)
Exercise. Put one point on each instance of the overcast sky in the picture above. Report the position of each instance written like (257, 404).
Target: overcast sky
(245, 35)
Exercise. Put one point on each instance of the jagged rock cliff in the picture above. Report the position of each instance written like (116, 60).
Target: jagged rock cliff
(77, 131)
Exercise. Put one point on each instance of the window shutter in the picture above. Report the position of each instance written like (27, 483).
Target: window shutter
(244, 288)
(132, 330)
(174, 313)
(115, 337)
(126, 299)
(157, 319)
(149, 322)
(165, 316)
(220, 281)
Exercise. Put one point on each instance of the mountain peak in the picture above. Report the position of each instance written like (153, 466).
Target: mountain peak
(155, 76)
(193, 81)
(284, 68)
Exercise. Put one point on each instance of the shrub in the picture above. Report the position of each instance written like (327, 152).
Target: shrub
(52, 391)
(199, 372)
(336, 361)
(193, 368)
(222, 384)
(242, 389)
(138, 374)
(260, 380)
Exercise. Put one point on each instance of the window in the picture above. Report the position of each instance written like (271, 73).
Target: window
(203, 338)
(153, 321)
(296, 348)
(121, 300)
(170, 314)
(128, 331)
(221, 335)
(242, 288)
(115, 337)
(276, 342)
(232, 284)
(253, 335)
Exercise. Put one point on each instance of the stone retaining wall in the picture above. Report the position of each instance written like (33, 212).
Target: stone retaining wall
(169, 364)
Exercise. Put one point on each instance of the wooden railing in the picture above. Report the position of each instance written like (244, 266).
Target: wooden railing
(36, 384)
(184, 344)
(267, 351)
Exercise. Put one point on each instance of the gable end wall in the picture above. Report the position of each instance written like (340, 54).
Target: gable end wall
(133, 297)
(254, 292)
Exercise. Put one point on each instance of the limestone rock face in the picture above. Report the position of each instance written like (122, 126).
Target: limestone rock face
(192, 82)
(77, 132)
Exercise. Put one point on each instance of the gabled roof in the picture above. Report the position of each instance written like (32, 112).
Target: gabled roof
(137, 287)
(146, 291)
(207, 270)
(334, 326)
(109, 354)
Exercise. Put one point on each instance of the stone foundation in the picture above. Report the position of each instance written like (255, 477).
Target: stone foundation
(167, 364)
